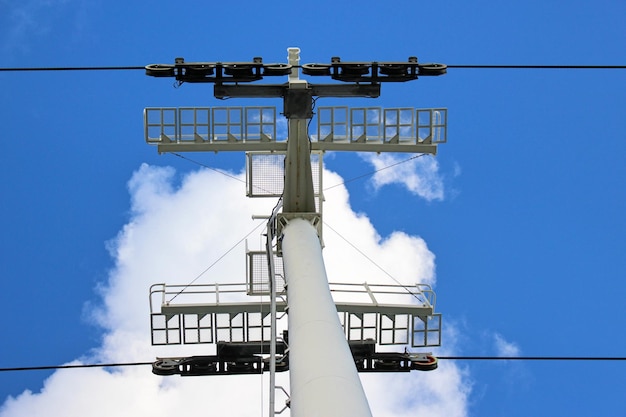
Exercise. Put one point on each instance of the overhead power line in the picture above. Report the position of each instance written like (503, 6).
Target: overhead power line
(450, 66)
(480, 358)
(84, 365)
(535, 358)
(105, 68)
(488, 66)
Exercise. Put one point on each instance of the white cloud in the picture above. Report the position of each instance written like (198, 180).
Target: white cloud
(418, 263)
(174, 233)
(503, 347)
(443, 392)
(419, 175)
(515, 375)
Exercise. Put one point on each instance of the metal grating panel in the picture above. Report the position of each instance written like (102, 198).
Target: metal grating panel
(265, 175)
(258, 274)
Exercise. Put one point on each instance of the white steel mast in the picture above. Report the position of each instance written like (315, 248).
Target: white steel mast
(314, 327)
(322, 362)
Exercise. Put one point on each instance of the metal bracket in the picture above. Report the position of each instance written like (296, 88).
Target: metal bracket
(282, 219)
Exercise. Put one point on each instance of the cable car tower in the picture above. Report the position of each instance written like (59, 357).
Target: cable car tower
(329, 339)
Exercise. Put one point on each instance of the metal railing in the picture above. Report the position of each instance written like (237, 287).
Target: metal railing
(390, 314)
(375, 125)
(210, 124)
(367, 129)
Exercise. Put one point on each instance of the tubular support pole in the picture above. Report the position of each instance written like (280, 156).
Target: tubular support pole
(323, 377)
(298, 191)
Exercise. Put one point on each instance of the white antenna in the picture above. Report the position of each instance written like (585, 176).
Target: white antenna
(329, 385)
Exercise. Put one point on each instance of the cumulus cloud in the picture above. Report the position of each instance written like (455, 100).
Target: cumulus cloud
(444, 392)
(177, 229)
(419, 175)
(353, 233)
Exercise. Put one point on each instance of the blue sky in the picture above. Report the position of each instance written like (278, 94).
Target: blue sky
(528, 236)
